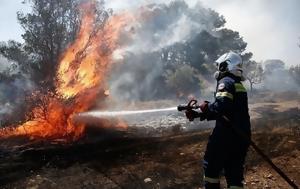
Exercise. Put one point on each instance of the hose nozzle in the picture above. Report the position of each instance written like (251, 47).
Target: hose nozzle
(191, 105)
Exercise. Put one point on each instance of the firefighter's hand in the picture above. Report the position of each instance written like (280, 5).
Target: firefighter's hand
(204, 107)
(192, 114)
(202, 116)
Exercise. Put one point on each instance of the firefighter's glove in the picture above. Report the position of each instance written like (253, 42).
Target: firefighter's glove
(192, 114)
(203, 116)
(204, 107)
(204, 110)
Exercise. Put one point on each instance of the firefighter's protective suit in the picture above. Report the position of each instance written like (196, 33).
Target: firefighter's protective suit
(226, 150)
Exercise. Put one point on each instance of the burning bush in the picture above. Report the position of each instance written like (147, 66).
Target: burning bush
(80, 78)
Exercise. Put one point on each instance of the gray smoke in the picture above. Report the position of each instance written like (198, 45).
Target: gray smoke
(134, 77)
(162, 25)
(281, 81)
(159, 26)
(277, 78)
(14, 86)
(258, 22)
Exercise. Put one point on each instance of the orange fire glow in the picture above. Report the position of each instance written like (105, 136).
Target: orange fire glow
(80, 78)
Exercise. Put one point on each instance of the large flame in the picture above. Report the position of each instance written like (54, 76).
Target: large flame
(80, 78)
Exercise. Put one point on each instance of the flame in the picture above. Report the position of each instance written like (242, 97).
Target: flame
(80, 78)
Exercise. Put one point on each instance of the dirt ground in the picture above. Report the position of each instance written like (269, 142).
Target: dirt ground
(172, 160)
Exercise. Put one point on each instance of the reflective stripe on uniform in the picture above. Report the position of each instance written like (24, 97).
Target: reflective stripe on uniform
(235, 187)
(239, 88)
(224, 94)
(211, 180)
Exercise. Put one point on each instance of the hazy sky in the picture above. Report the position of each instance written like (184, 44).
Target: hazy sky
(271, 27)
(9, 26)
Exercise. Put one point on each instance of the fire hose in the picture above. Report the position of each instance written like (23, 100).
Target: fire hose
(192, 105)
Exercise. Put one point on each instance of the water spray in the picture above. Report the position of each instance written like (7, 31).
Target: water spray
(105, 114)
(95, 117)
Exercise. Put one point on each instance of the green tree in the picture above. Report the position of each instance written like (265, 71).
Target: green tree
(48, 29)
(183, 80)
(201, 51)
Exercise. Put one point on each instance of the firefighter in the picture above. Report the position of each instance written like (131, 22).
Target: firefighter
(226, 150)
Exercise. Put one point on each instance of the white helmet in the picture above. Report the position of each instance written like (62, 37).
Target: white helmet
(231, 62)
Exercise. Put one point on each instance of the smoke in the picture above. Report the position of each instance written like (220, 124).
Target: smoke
(158, 26)
(161, 25)
(14, 86)
(264, 24)
(277, 78)
(281, 81)
(134, 78)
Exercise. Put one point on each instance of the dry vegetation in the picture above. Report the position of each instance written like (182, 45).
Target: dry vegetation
(110, 159)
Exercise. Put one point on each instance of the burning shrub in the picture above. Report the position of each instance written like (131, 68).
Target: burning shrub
(80, 77)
